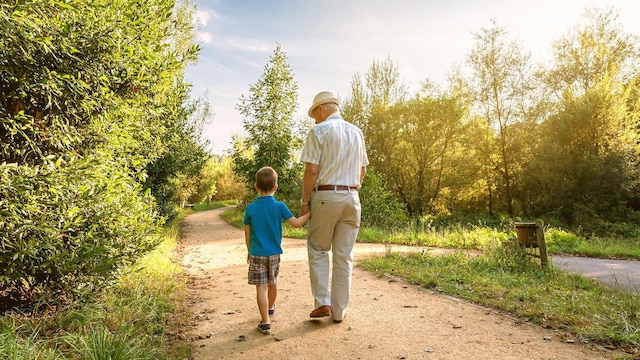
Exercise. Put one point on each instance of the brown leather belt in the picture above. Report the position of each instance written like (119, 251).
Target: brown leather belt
(334, 187)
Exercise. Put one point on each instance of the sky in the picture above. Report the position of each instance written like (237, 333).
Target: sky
(328, 42)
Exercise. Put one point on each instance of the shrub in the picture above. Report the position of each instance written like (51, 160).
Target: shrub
(66, 231)
(380, 208)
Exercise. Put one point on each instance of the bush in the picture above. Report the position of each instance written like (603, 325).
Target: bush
(66, 231)
(380, 208)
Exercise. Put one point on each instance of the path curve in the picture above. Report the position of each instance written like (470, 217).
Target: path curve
(387, 319)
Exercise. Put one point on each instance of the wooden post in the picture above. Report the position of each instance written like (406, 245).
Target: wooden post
(542, 245)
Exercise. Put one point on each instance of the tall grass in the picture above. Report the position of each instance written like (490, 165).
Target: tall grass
(99, 343)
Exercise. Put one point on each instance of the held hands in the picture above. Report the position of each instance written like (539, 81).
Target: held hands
(304, 209)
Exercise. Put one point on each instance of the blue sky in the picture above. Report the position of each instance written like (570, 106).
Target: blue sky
(328, 42)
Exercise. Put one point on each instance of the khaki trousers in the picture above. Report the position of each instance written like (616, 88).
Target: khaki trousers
(334, 225)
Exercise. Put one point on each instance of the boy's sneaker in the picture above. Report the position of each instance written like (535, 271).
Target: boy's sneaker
(264, 328)
(272, 311)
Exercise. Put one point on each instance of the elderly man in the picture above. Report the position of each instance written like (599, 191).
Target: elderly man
(336, 161)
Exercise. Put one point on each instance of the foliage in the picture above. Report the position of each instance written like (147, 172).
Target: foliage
(382, 89)
(218, 182)
(268, 112)
(500, 88)
(91, 97)
(380, 208)
(585, 165)
(559, 141)
(137, 318)
(419, 164)
(69, 229)
(175, 176)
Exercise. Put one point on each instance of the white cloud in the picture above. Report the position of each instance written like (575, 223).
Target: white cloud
(205, 37)
(203, 16)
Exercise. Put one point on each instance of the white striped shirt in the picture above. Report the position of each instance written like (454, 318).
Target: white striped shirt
(338, 148)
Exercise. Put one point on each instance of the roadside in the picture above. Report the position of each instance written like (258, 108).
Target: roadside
(387, 318)
(618, 274)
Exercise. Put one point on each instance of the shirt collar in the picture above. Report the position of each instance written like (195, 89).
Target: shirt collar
(335, 116)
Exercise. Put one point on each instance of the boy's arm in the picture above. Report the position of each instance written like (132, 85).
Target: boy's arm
(299, 222)
(247, 238)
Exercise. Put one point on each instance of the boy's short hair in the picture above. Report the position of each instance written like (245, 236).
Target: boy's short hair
(266, 179)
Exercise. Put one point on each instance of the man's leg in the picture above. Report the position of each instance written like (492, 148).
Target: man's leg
(345, 235)
(319, 236)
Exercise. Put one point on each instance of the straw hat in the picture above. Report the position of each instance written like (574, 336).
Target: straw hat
(323, 97)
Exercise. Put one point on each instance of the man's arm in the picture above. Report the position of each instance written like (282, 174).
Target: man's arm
(308, 183)
(363, 172)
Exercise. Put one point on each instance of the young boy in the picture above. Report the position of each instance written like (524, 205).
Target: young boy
(263, 235)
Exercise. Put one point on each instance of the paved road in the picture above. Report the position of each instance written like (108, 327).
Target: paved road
(619, 274)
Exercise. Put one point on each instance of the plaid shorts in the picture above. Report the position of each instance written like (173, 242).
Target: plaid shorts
(263, 270)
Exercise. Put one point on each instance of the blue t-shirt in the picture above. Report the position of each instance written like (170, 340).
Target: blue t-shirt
(265, 215)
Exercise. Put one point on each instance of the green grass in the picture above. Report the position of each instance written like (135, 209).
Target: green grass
(478, 237)
(560, 241)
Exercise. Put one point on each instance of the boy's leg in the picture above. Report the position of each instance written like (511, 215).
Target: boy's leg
(274, 270)
(273, 294)
(259, 276)
(263, 302)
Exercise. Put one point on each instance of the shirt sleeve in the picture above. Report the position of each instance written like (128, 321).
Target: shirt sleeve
(311, 150)
(286, 213)
(247, 217)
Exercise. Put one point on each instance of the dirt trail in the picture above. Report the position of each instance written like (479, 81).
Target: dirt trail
(387, 319)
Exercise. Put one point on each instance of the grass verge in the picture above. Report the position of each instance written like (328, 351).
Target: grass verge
(580, 309)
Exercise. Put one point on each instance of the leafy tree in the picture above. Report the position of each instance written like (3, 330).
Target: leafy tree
(586, 164)
(174, 176)
(217, 181)
(380, 205)
(89, 96)
(593, 49)
(381, 89)
(227, 184)
(409, 142)
(268, 120)
(418, 150)
(500, 84)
